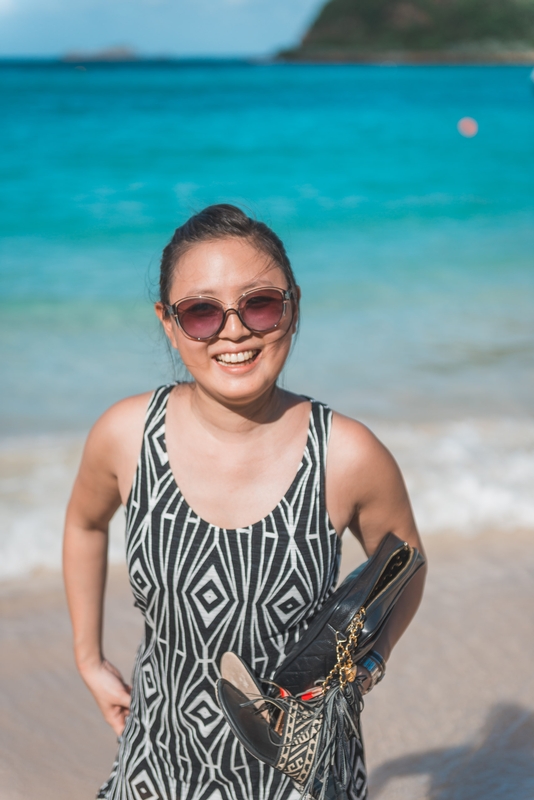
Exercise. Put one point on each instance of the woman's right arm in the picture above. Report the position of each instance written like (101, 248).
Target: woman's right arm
(109, 457)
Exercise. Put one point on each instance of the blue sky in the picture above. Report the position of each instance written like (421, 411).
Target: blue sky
(174, 27)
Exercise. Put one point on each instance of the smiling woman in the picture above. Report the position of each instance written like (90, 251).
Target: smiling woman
(214, 358)
(236, 495)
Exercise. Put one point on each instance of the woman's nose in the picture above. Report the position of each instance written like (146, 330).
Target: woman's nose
(233, 327)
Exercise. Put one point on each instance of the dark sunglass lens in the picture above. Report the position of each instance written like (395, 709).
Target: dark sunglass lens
(200, 319)
(262, 311)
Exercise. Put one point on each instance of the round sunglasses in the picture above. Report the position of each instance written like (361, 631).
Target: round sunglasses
(260, 310)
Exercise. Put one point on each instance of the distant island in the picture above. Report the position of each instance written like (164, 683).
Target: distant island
(108, 54)
(420, 32)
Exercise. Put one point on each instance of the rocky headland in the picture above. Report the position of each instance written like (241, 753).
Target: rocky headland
(420, 32)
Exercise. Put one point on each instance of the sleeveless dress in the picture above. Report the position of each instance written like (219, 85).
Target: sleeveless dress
(204, 590)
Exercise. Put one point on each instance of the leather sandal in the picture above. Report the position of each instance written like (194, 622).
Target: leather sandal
(234, 670)
(290, 749)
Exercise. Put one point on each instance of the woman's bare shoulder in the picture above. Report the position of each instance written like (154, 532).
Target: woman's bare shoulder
(365, 487)
(123, 418)
(118, 433)
(112, 448)
(353, 443)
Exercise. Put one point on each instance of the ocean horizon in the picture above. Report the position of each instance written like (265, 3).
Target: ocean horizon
(413, 245)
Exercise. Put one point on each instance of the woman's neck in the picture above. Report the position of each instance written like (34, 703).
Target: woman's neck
(236, 419)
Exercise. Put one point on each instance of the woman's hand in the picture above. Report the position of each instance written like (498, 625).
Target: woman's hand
(110, 691)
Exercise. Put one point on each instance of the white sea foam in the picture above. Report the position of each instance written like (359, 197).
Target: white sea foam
(463, 477)
(36, 476)
(467, 476)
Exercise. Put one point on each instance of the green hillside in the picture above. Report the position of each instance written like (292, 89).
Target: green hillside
(456, 30)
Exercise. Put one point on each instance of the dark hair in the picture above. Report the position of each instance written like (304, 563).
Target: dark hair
(219, 222)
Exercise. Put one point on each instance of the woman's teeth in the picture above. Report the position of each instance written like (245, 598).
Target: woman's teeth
(236, 358)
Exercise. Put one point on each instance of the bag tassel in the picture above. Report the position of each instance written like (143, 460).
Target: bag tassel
(339, 708)
(340, 711)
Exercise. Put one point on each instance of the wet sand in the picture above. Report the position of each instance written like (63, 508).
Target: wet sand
(454, 717)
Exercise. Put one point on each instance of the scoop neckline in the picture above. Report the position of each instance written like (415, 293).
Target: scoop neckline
(284, 496)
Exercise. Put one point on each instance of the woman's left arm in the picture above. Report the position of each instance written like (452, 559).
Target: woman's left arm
(366, 493)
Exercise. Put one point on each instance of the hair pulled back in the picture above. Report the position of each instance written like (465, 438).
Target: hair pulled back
(220, 222)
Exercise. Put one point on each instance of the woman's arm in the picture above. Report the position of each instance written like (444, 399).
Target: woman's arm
(367, 495)
(96, 495)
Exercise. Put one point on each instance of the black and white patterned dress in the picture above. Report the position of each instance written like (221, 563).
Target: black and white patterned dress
(204, 590)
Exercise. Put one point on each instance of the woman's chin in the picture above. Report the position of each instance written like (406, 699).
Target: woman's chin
(239, 385)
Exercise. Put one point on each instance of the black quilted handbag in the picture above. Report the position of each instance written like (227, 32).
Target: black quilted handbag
(310, 727)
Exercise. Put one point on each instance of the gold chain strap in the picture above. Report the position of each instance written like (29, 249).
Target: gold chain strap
(345, 669)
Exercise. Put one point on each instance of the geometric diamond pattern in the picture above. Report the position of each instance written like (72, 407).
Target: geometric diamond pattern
(205, 712)
(149, 680)
(143, 788)
(139, 578)
(205, 590)
(288, 604)
(210, 596)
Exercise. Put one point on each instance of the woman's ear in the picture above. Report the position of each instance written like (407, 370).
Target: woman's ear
(166, 320)
(296, 302)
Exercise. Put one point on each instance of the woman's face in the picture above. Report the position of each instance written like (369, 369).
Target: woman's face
(226, 269)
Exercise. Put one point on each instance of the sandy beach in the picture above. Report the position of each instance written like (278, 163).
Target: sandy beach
(453, 719)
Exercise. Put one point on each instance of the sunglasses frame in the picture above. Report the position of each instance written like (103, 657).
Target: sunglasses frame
(286, 294)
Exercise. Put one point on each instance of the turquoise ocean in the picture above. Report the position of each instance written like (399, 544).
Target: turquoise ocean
(413, 245)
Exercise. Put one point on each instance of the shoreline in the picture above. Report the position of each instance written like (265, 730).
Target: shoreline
(423, 58)
(463, 478)
(445, 723)
(385, 58)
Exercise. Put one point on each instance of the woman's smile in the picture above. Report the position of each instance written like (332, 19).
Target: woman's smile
(239, 359)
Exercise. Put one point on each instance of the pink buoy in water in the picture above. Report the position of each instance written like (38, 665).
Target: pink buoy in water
(468, 127)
